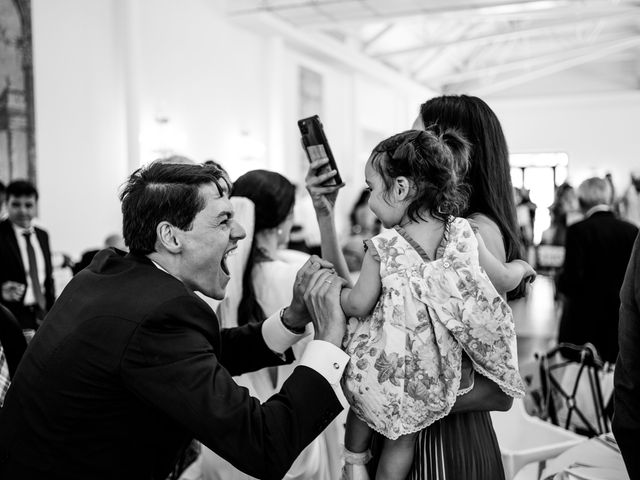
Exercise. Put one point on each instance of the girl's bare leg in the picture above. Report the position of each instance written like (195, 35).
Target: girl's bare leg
(357, 442)
(357, 437)
(396, 458)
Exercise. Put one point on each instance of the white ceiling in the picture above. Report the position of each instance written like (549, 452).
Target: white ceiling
(481, 47)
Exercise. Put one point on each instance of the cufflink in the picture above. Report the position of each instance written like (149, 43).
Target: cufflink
(336, 365)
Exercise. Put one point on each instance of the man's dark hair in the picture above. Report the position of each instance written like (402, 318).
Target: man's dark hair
(164, 192)
(21, 188)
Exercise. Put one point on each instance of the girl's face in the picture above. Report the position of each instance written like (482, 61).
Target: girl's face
(381, 202)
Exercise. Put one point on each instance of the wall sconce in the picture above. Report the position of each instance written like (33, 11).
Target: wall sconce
(161, 139)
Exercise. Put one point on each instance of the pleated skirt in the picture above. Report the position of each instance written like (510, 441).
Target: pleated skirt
(461, 446)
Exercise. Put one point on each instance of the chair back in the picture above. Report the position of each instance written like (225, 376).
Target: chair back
(524, 439)
(571, 379)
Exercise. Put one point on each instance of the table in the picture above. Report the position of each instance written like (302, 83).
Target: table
(597, 458)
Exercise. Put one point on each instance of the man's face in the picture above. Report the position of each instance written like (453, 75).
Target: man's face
(22, 209)
(213, 235)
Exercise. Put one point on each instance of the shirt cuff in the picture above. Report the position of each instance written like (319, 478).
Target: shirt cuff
(278, 337)
(329, 361)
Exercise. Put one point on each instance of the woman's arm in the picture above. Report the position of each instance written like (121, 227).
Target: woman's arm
(361, 299)
(485, 395)
(503, 276)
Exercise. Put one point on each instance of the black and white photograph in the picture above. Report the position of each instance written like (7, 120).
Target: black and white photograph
(319, 239)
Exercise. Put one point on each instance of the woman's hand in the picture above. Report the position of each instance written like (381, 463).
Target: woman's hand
(323, 197)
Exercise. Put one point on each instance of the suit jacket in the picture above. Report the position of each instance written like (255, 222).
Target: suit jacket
(626, 380)
(129, 365)
(597, 252)
(12, 268)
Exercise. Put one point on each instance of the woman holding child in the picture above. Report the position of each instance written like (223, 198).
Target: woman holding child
(460, 443)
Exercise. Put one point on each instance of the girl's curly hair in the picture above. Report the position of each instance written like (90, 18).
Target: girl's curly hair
(435, 160)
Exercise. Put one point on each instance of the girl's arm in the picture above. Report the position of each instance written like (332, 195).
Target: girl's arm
(503, 276)
(361, 299)
(324, 199)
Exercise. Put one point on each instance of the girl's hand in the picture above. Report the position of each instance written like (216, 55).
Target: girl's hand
(323, 197)
(529, 274)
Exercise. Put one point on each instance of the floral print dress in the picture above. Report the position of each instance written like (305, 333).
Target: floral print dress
(406, 366)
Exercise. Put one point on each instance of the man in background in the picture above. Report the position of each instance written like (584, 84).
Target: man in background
(26, 273)
(113, 240)
(597, 252)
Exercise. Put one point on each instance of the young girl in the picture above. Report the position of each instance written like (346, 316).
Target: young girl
(426, 314)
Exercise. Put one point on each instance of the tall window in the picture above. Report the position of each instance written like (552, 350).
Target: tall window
(539, 174)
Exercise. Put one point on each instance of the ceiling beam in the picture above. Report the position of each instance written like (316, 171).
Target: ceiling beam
(331, 50)
(490, 11)
(563, 62)
(527, 63)
(383, 31)
(568, 23)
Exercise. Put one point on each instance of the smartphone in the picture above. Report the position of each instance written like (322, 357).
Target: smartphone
(316, 145)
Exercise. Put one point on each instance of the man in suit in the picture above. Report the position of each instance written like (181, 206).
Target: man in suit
(130, 364)
(626, 380)
(26, 273)
(597, 253)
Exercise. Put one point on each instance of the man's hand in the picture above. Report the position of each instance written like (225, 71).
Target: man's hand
(296, 316)
(323, 303)
(12, 291)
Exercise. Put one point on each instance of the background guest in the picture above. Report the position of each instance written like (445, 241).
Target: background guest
(26, 273)
(562, 212)
(267, 286)
(114, 240)
(364, 225)
(597, 253)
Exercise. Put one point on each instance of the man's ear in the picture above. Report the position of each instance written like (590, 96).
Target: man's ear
(167, 236)
(402, 187)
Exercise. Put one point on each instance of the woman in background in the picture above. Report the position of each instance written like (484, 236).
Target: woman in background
(565, 205)
(267, 285)
(364, 225)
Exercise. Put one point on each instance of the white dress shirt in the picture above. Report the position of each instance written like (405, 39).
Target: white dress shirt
(29, 297)
(321, 356)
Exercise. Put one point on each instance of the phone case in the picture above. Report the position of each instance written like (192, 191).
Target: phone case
(316, 145)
